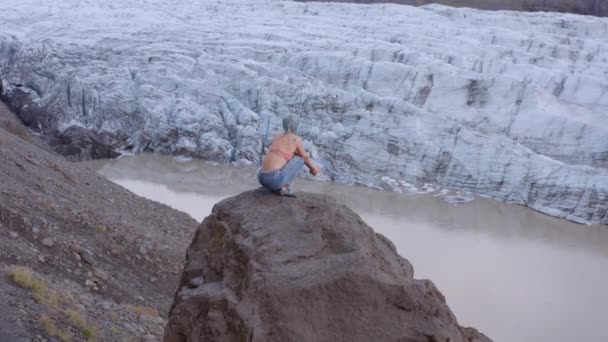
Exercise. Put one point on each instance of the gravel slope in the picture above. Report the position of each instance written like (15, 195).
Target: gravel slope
(93, 248)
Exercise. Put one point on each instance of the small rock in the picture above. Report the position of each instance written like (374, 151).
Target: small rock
(101, 274)
(143, 250)
(31, 160)
(87, 258)
(13, 234)
(35, 230)
(48, 242)
(89, 283)
(74, 247)
(153, 280)
(41, 258)
(77, 256)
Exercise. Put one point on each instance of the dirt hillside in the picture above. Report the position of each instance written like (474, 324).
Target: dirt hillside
(81, 258)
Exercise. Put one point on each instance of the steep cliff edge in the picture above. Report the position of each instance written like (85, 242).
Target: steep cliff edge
(266, 268)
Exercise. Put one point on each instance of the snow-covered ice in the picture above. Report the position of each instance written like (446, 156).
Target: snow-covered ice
(506, 104)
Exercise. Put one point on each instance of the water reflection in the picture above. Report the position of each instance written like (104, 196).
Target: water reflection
(514, 273)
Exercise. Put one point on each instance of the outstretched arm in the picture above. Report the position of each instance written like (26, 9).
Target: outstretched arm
(300, 151)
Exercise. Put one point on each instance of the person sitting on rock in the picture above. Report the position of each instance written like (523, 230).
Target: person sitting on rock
(285, 158)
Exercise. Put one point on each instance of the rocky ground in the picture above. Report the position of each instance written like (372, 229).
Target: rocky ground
(81, 258)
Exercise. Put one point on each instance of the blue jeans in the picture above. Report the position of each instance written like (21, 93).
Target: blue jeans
(275, 180)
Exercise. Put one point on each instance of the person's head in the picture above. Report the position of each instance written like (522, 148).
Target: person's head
(290, 124)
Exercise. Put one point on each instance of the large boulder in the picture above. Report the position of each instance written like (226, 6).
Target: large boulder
(268, 268)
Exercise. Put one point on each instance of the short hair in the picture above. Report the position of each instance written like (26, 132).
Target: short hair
(290, 124)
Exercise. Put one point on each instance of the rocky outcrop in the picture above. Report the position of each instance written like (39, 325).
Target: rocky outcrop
(76, 143)
(267, 268)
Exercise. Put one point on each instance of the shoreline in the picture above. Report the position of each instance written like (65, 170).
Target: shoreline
(435, 190)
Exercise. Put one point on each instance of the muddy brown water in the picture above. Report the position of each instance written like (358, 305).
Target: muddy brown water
(515, 274)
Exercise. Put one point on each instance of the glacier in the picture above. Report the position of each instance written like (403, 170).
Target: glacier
(507, 105)
(591, 7)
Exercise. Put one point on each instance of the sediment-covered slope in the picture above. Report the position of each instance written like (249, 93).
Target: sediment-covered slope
(505, 104)
(80, 256)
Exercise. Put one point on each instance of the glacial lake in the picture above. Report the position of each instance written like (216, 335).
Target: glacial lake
(515, 274)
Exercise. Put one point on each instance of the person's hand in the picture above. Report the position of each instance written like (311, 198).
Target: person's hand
(314, 171)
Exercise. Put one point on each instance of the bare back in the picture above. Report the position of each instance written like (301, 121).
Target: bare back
(282, 148)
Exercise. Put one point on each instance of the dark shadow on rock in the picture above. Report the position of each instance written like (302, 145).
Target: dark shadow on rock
(75, 143)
